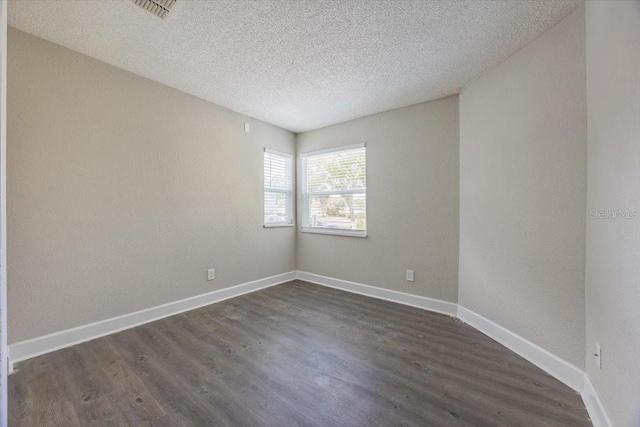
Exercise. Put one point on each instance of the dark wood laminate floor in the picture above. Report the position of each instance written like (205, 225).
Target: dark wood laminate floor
(296, 354)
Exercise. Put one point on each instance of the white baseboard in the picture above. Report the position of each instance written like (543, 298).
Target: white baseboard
(37, 346)
(594, 406)
(559, 368)
(548, 362)
(425, 303)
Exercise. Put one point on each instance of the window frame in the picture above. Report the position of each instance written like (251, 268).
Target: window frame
(292, 213)
(305, 228)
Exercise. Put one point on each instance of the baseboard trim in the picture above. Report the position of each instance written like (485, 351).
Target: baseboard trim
(595, 408)
(425, 303)
(545, 360)
(548, 362)
(570, 375)
(555, 366)
(45, 344)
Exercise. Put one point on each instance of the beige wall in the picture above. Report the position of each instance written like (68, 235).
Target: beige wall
(613, 244)
(523, 191)
(412, 202)
(122, 192)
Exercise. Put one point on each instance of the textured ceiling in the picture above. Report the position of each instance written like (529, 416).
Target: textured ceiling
(298, 64)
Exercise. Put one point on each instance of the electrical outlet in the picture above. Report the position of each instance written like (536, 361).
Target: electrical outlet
(211, 274)
(247, 128)
(598, 356)
(409, 275)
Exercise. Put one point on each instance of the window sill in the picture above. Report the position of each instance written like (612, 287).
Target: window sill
(346, 233)
(277, 225)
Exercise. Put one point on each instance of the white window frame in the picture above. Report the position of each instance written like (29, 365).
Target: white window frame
(305, 196)
(290, 221)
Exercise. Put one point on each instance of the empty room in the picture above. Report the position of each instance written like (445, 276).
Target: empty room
(320, 213)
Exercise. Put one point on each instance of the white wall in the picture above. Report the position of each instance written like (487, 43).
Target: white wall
(613, 244)
(412, 202)
(124, 191)
(523, 191)
(3, 216)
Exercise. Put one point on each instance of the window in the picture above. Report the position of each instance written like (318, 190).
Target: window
(334, 191)
(278, 189)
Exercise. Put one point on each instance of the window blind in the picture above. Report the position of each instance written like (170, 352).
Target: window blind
(278, 189)
(334, 191)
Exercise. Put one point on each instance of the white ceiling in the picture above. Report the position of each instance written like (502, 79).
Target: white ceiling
(298, 64)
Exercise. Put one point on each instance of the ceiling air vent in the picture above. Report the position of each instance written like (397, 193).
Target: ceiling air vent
(160, 8)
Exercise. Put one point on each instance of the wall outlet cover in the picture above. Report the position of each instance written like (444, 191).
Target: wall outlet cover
(409, 275)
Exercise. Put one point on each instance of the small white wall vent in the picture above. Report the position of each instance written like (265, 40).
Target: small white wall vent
(160, 8)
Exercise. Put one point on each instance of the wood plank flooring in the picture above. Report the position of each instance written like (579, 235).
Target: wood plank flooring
(296, 354)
